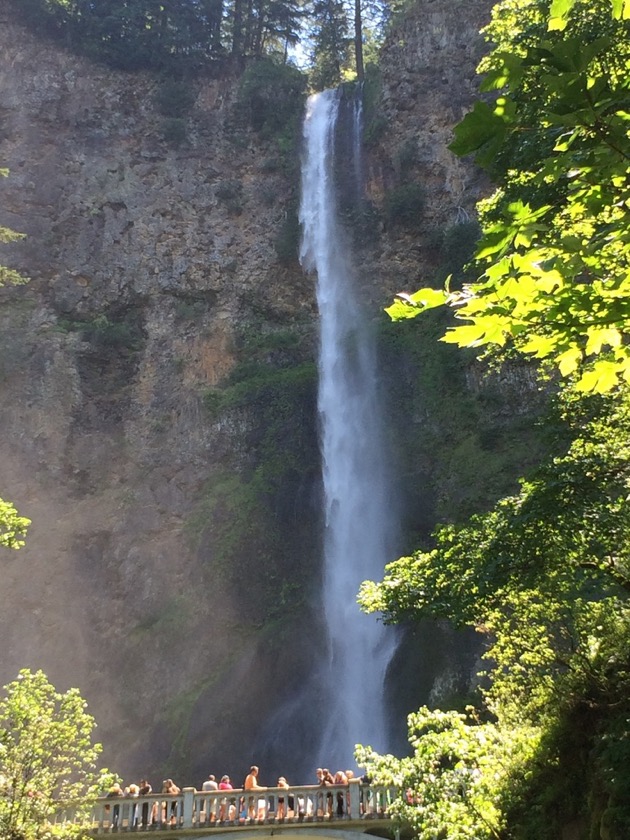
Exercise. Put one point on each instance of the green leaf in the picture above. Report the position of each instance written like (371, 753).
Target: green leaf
(598, 338)
(540, 346)
(569, 361)
(602, 378)
(621, 9)
(558, 14)
(480, 130)
(410, 305)
(508, 69)
(13, 527)
(487, 330)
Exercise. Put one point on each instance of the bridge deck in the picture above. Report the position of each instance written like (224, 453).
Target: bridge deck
(317, 829)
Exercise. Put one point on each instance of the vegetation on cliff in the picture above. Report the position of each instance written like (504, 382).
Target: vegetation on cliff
(544, 575)
(9, 275)
(553, 257)
(188, 38)
(13, 527)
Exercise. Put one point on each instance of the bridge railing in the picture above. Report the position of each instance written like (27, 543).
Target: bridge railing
(216, 810)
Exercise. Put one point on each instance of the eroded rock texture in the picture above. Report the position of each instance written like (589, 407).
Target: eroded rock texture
(171, 567)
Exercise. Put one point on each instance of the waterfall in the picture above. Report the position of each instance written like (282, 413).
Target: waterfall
(359, 519)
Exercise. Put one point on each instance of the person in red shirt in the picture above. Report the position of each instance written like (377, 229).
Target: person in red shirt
(224, 784)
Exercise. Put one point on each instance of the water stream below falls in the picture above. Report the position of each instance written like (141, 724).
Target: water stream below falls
(360, 517)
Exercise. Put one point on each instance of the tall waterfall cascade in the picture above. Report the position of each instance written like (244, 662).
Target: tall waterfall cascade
(360, 517)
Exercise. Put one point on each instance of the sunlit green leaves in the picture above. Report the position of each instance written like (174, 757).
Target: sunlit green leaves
(621, 9)
(481, 131)
(545, 575)
(408, 306)
(553, 275)
(13, 527)
(558, 13)
(453, 781)
(9, 276)
(47, 757)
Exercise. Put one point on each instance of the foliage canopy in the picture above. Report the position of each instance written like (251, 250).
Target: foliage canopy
(47, 758)
(544, 575)
(555, 252)
(186, 38)
(13, 527)
(9, 275)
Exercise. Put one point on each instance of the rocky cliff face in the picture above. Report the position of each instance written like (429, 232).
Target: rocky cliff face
(171, 566)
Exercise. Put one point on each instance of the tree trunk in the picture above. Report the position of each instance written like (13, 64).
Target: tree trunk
(358, 40)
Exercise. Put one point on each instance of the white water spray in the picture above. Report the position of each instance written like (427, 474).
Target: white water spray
(359, 537)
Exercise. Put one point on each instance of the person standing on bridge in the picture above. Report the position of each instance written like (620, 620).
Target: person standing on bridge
(281, 811)
(114, 792)
(134, 791)
(251, 783)
(324, 779)
(341, 779)
(209, 786)
(225, 784)
(144, 790)
(169, 787)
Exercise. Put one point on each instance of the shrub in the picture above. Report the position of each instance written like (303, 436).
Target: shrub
(375, 122)
(174, 98)
(404, 205)
(406, 157)
(103, 333)
(230, 192)
(271, 98)
(288, 239)
(457, 249)
(174, 131)
(363, 221)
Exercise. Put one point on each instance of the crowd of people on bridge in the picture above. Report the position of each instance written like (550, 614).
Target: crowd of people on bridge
(243, 808)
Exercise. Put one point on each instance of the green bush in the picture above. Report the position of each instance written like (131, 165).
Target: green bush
(230, 193)
(104, 333)
(272, 392)
(404, 205)
(277, 340)
(174, 131)
(363, 220)
(288, 238)
(406, 157)
(457, 249)
(271, 97)
(211, 400)
(375, 130)
(375, 122)
(174, 98)
(190, 309)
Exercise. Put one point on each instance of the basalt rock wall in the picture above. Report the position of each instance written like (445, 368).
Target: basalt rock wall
(171, 568)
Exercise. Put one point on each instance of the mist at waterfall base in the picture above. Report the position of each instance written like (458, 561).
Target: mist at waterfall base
(343, 702)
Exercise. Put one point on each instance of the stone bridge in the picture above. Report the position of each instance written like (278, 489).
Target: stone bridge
(339, 812)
